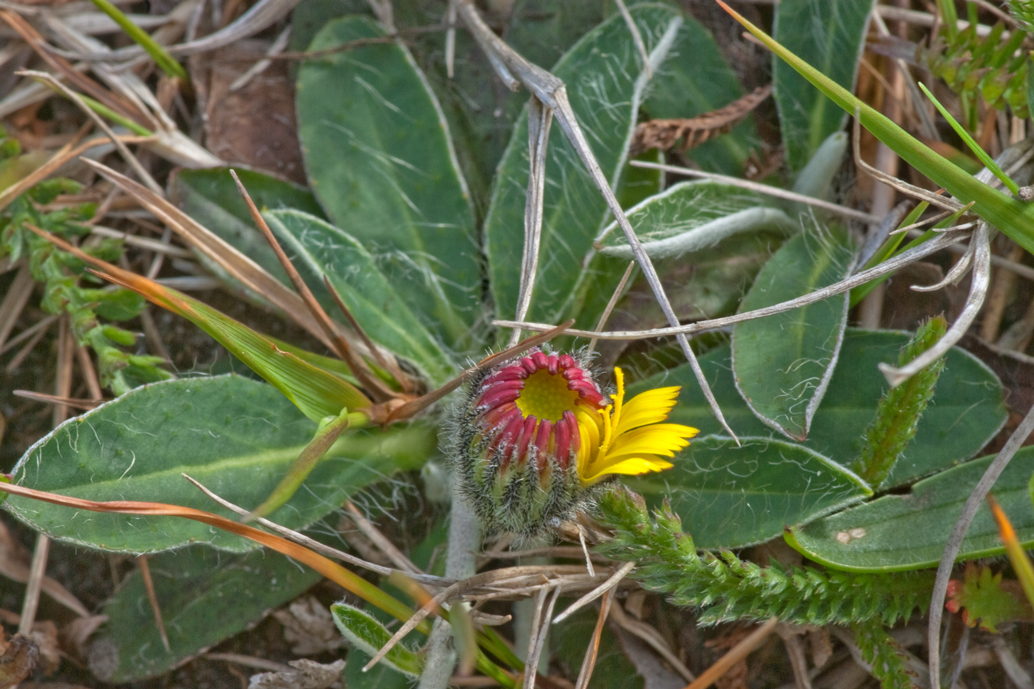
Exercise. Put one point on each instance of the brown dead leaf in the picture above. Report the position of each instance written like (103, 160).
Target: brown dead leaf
(75, 636)
(821, 646)
(254, 125)
(14, 564)
(309, 627)
(307, 674)
(44, 635)
(19, 659)
(665, 134)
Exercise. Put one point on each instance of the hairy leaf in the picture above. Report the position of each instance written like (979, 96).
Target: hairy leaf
(728, 496)
(378, 154)
(236, 436)
(204, 597)
(901, 532)
(965, 414)
(783, 363)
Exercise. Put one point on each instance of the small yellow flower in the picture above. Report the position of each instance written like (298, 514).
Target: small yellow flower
(630, 438)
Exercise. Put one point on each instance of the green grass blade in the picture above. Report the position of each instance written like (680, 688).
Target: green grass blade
(166, 62)
(1012, 216)
(980, 153)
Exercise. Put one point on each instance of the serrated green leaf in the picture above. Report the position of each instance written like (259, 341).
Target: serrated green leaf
(605, 85)
(236, 436)
(369, 636)
(318, 248)
(729, 496)
(378, 154)
(204, 597)
(967, 409)
(902, 532)
(829, 35)
(783, 363)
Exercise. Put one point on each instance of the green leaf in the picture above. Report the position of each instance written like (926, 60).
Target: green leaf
(965, 413)
(694, 216)
(901, 532)
(696, 79)
(236, 436)
(1012, 216)
(367, 634)
(829, 35)
(729, 496)
(605, 81)
(204, 597)
(317, 392)
(317, 248)
(783, 363)
(378, 154)
(211, 197)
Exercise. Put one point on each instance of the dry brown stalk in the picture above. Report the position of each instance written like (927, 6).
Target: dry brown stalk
(693, 131)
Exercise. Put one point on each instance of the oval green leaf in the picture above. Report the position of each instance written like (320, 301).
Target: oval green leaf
(236, 436)
(729, 496)
(380, 160)
(605, 85)
(693, 216)
(828, 34)
(695, 80)
(317, 248)
(902, 532)
(967, 409)
(204, 597)
(783, 363)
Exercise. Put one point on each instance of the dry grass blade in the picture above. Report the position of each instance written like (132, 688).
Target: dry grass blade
(381, 541)
(385, 361)
(888, 266)
(373, 385)
(977, 292)
(741, 651)
(85, 405)
(34, 586)
(693, 131)
(537, 636)
(603, 588)
(17, 297)
(539, 119)
(312, 544)
(766, 189)
(99, 121)
(152, 598)
(65, 69)
(239, 266)
(414, 407)
(48, 168)
(958, 533)
(552, 92)
(331, 570)
(604, 317)
(589, 664)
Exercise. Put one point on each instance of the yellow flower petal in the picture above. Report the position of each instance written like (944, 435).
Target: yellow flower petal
(631, 467)
(649, 407)
(659, 439)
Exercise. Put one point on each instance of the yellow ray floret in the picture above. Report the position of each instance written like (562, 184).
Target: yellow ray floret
(630, 438)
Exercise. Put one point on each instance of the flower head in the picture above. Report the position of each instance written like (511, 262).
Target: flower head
(535, 438)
